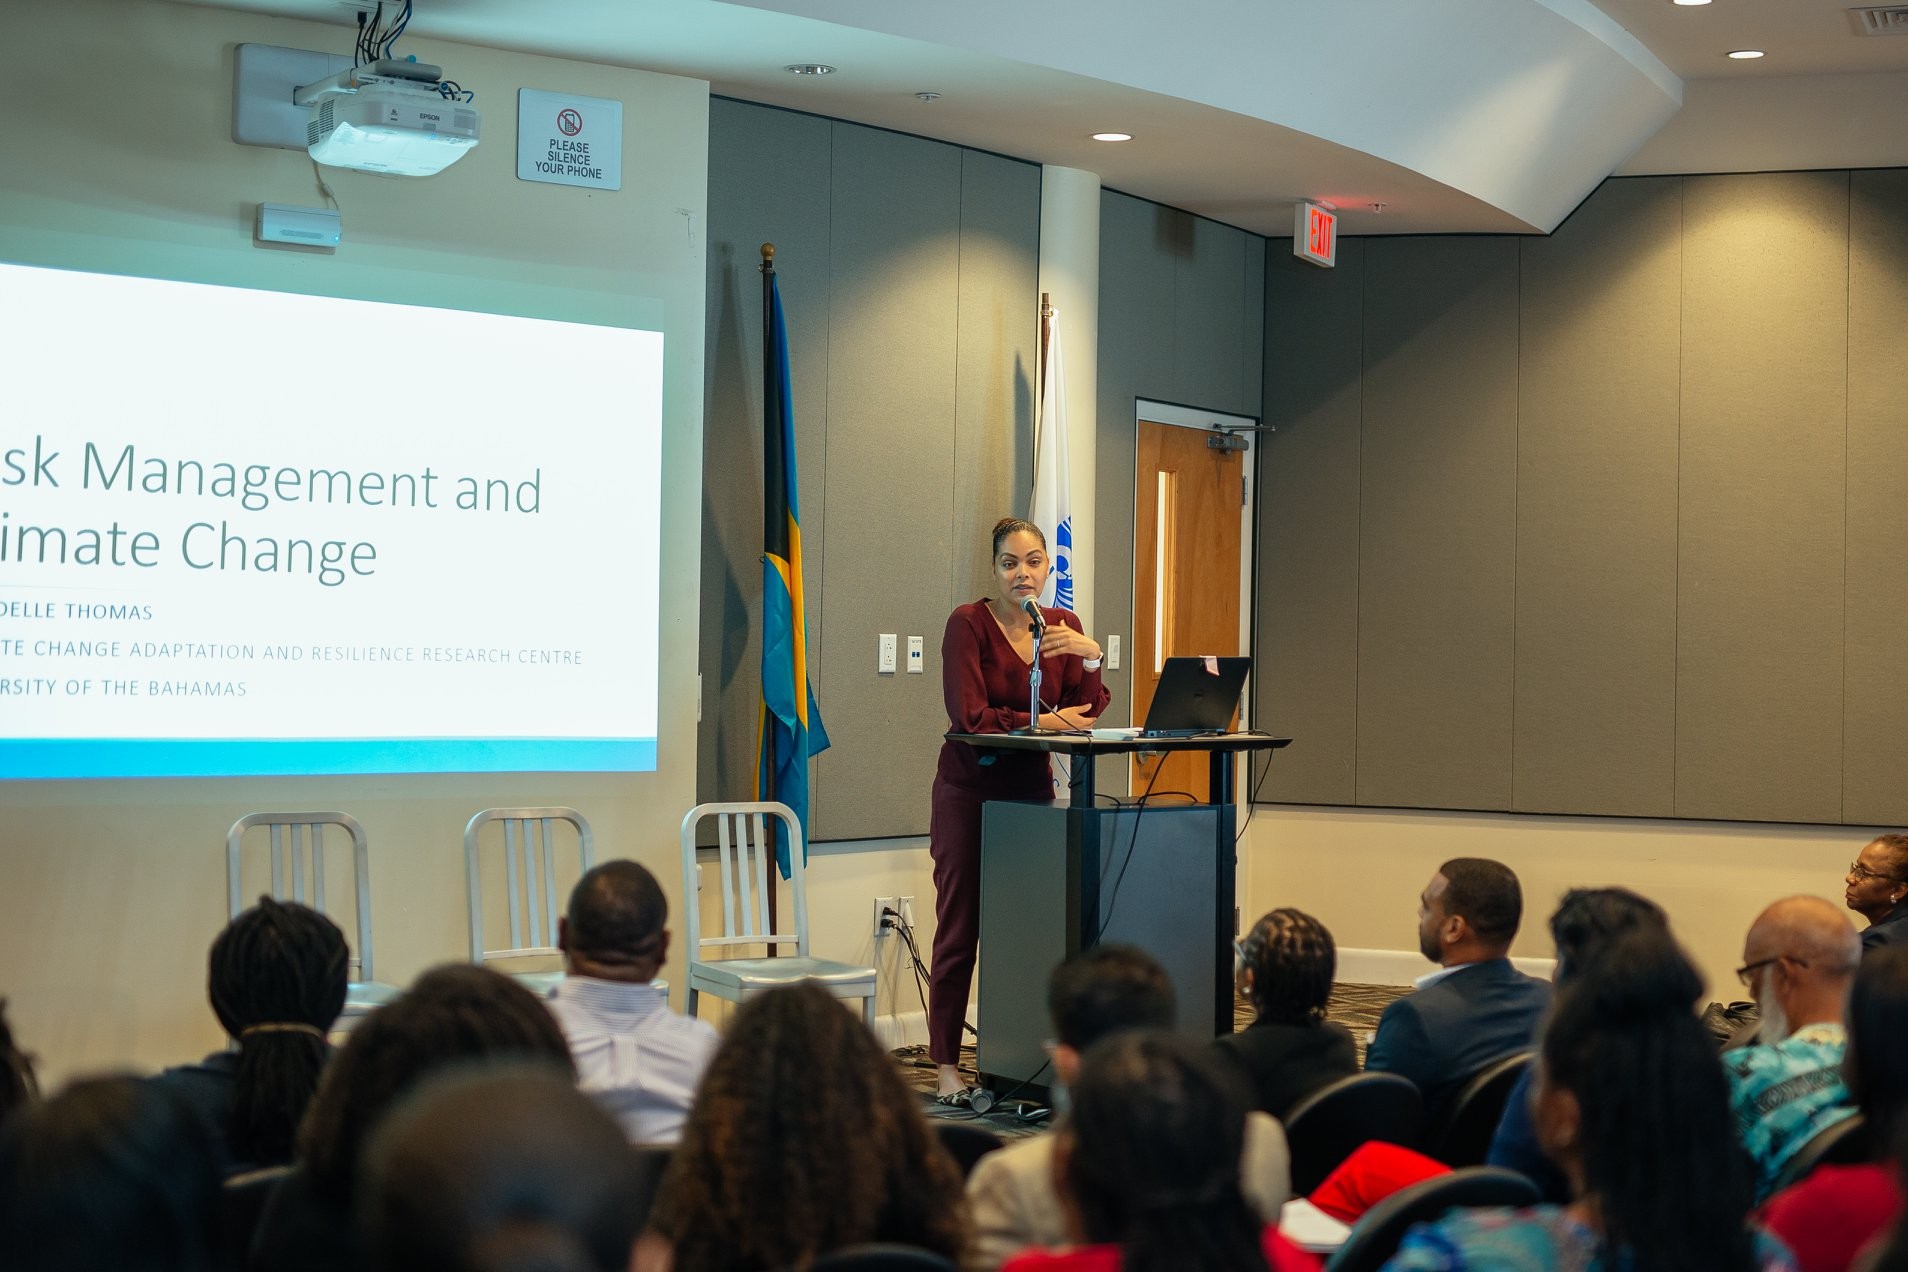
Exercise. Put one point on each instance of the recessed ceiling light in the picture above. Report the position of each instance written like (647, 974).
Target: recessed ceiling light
(1746, 55)
(1689, 2)
(809, 68)
(1112, 136)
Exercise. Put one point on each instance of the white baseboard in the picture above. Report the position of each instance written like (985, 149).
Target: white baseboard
(901, 1029)
(1403, 967)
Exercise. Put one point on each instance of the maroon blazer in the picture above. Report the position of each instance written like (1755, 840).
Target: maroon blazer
(985, 683)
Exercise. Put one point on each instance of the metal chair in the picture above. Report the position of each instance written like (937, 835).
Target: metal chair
(1463, 1134)
(882, 1257)
(966, 1142)
(1375, 1238)
(1326, 1126)
(745, 851)
(530, 851)
(298, 863)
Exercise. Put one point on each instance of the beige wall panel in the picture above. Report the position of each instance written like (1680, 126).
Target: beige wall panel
(895, 269)
(1595, 717)
(763, 187)
(1762, 497)
(998, 361)
(1875, 766)
(1437, 523)
(1305, 682)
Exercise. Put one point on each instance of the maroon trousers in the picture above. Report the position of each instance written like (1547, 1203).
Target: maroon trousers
(954, 838)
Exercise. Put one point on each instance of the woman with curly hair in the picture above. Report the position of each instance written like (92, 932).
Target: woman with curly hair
(451, 1015)
(803, 1141)
(1286, 965)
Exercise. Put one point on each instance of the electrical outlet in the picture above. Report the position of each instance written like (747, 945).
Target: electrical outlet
(915, 655)
(1112, 653)
(884, 926)
(884, 655)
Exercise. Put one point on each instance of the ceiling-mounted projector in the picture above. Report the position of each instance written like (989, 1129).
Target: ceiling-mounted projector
(392, 118)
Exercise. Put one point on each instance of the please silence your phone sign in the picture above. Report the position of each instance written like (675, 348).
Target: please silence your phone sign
(568, 140)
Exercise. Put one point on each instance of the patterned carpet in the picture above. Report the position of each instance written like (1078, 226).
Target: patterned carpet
(1357, 1007)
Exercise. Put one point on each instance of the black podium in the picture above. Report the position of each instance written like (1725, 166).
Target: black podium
(1059, 877)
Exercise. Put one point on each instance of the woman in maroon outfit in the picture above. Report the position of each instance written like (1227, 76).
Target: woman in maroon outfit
(986, 655)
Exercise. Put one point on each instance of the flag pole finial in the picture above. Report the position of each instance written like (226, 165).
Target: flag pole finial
(768, 256)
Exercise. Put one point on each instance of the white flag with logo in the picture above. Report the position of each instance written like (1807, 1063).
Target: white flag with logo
(1052, 495)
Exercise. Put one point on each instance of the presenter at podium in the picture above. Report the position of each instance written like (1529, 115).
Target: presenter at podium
(986, 660)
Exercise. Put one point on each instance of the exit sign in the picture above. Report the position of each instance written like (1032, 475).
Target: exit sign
(1315, 235)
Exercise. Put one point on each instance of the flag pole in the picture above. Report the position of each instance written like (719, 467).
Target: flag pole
(771, 466)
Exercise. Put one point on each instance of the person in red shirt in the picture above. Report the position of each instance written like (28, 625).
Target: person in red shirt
(1829, 1216)
(986, 657)
(1147, 1166)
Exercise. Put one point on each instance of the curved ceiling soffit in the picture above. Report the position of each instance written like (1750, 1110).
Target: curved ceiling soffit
(1524, 105)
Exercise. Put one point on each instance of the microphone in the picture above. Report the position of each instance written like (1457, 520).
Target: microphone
(1031, 606)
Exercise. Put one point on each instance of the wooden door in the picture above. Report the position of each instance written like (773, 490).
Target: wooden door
(1186, 562)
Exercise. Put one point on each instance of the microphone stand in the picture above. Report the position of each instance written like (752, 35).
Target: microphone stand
(1038, 629)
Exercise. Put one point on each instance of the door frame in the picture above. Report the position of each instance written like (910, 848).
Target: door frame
(1183, 416)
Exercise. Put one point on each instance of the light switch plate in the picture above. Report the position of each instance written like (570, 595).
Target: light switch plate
(1112, 653)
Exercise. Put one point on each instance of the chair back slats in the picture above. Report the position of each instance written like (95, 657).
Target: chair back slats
(745, 853)
(296, 855)
(531, 893)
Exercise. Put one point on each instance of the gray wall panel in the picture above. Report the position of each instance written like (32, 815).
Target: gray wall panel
(998, 356)
(1875, 766)
(895, 264)
(1437, 523)
(1762, 497)
(1139, 246)
(1305, 683)
(1209, 319)
(1596, 507)
(1252, 297)
(762, 188)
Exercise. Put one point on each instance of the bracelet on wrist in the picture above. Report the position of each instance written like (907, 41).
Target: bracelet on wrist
(1093, 664)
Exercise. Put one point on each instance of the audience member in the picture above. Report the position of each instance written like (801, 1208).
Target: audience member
(500, 1167)
(1586, 921)
(1096, 993)
(1476, 1009)
(1148, 1166)
(640, 1060)
(1828, 1217)
(1798, 959)
(453, 1013)
(1289, 1050)
(1632, 1105)
(1877, 889)
(18, 1086)
(802, 1140)
(276, 977)
(111, 1173)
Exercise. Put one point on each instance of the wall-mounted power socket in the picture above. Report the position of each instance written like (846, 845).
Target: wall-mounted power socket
(885, 654)
(884, 925)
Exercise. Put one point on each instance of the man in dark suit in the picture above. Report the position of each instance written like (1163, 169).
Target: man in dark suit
(1476, 1009)
(1877, 889)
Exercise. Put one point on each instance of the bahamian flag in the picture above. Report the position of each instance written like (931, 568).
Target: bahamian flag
(789, 728)
(1052, 508)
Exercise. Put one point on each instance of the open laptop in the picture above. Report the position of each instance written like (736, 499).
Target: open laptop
(1195, 695)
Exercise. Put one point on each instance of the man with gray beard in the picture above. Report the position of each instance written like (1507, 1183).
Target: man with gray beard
(1798, 961)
